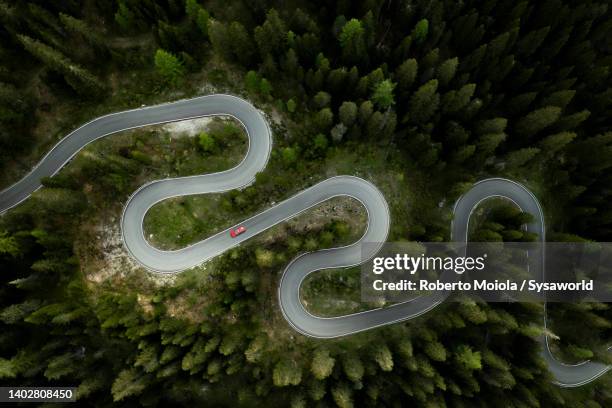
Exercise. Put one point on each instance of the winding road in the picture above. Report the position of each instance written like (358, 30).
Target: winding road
(260, 143)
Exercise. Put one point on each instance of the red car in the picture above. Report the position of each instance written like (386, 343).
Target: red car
(235, 232)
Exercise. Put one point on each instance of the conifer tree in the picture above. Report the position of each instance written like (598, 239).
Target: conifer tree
(242, 45)
(537, 120)
(342, 396)
(265, 87)
(365, 111)
(520, 157)
(124, 17)
(219, 37)
(553, 143)
(488, 142)
(169, 67)
(322, 99)
(420, 31)
(406, 74)
(447, 70)
(353, 367)
(81, 28)
(383, 94)
(560, 98)
(8, 244)
(286, 372)
(128, 383)
(352, 40)
(322, 364)
(383, 357)
(78, 78)
(324, 119)
(348, 113)
(424, 102)
(271, 35)
(454, 101)
(495, 125)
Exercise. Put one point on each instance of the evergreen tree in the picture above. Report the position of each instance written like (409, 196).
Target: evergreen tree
(322, 364)
(8, 244)
(286, 372)
(353, 367)
(560, 98)
(80, 28)
(572, 121)
(464, 153)
(220, 38)
(383, 357)
(78, 78)
(488, 142)
(320, 143)
(365, 111)
(124, 17)
(454, 101)
(291, 106)
(420, 31)
(406, 74)
(128, 383)
(352, 40)
(553, 143)
(383, 94)
(376, 125)
(424, 102)
(202, 20)
(192, 8)
(242, 45)
(265, 87)
(447, 70)
(251, 81)
(342, 396)
(169, 67)
(322, 99)
(467, 358)
(537, 120)
(324, 119)
(495, 125)
(520, 157)
(348, 113)
(532, 41)
(271, 35)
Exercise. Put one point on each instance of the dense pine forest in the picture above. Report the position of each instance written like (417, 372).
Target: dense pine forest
(422, 97)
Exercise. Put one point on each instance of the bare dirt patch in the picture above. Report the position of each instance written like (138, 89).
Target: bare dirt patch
(189, 127)
(104, 257)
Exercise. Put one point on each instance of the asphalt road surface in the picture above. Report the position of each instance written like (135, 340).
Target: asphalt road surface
(260, 142)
